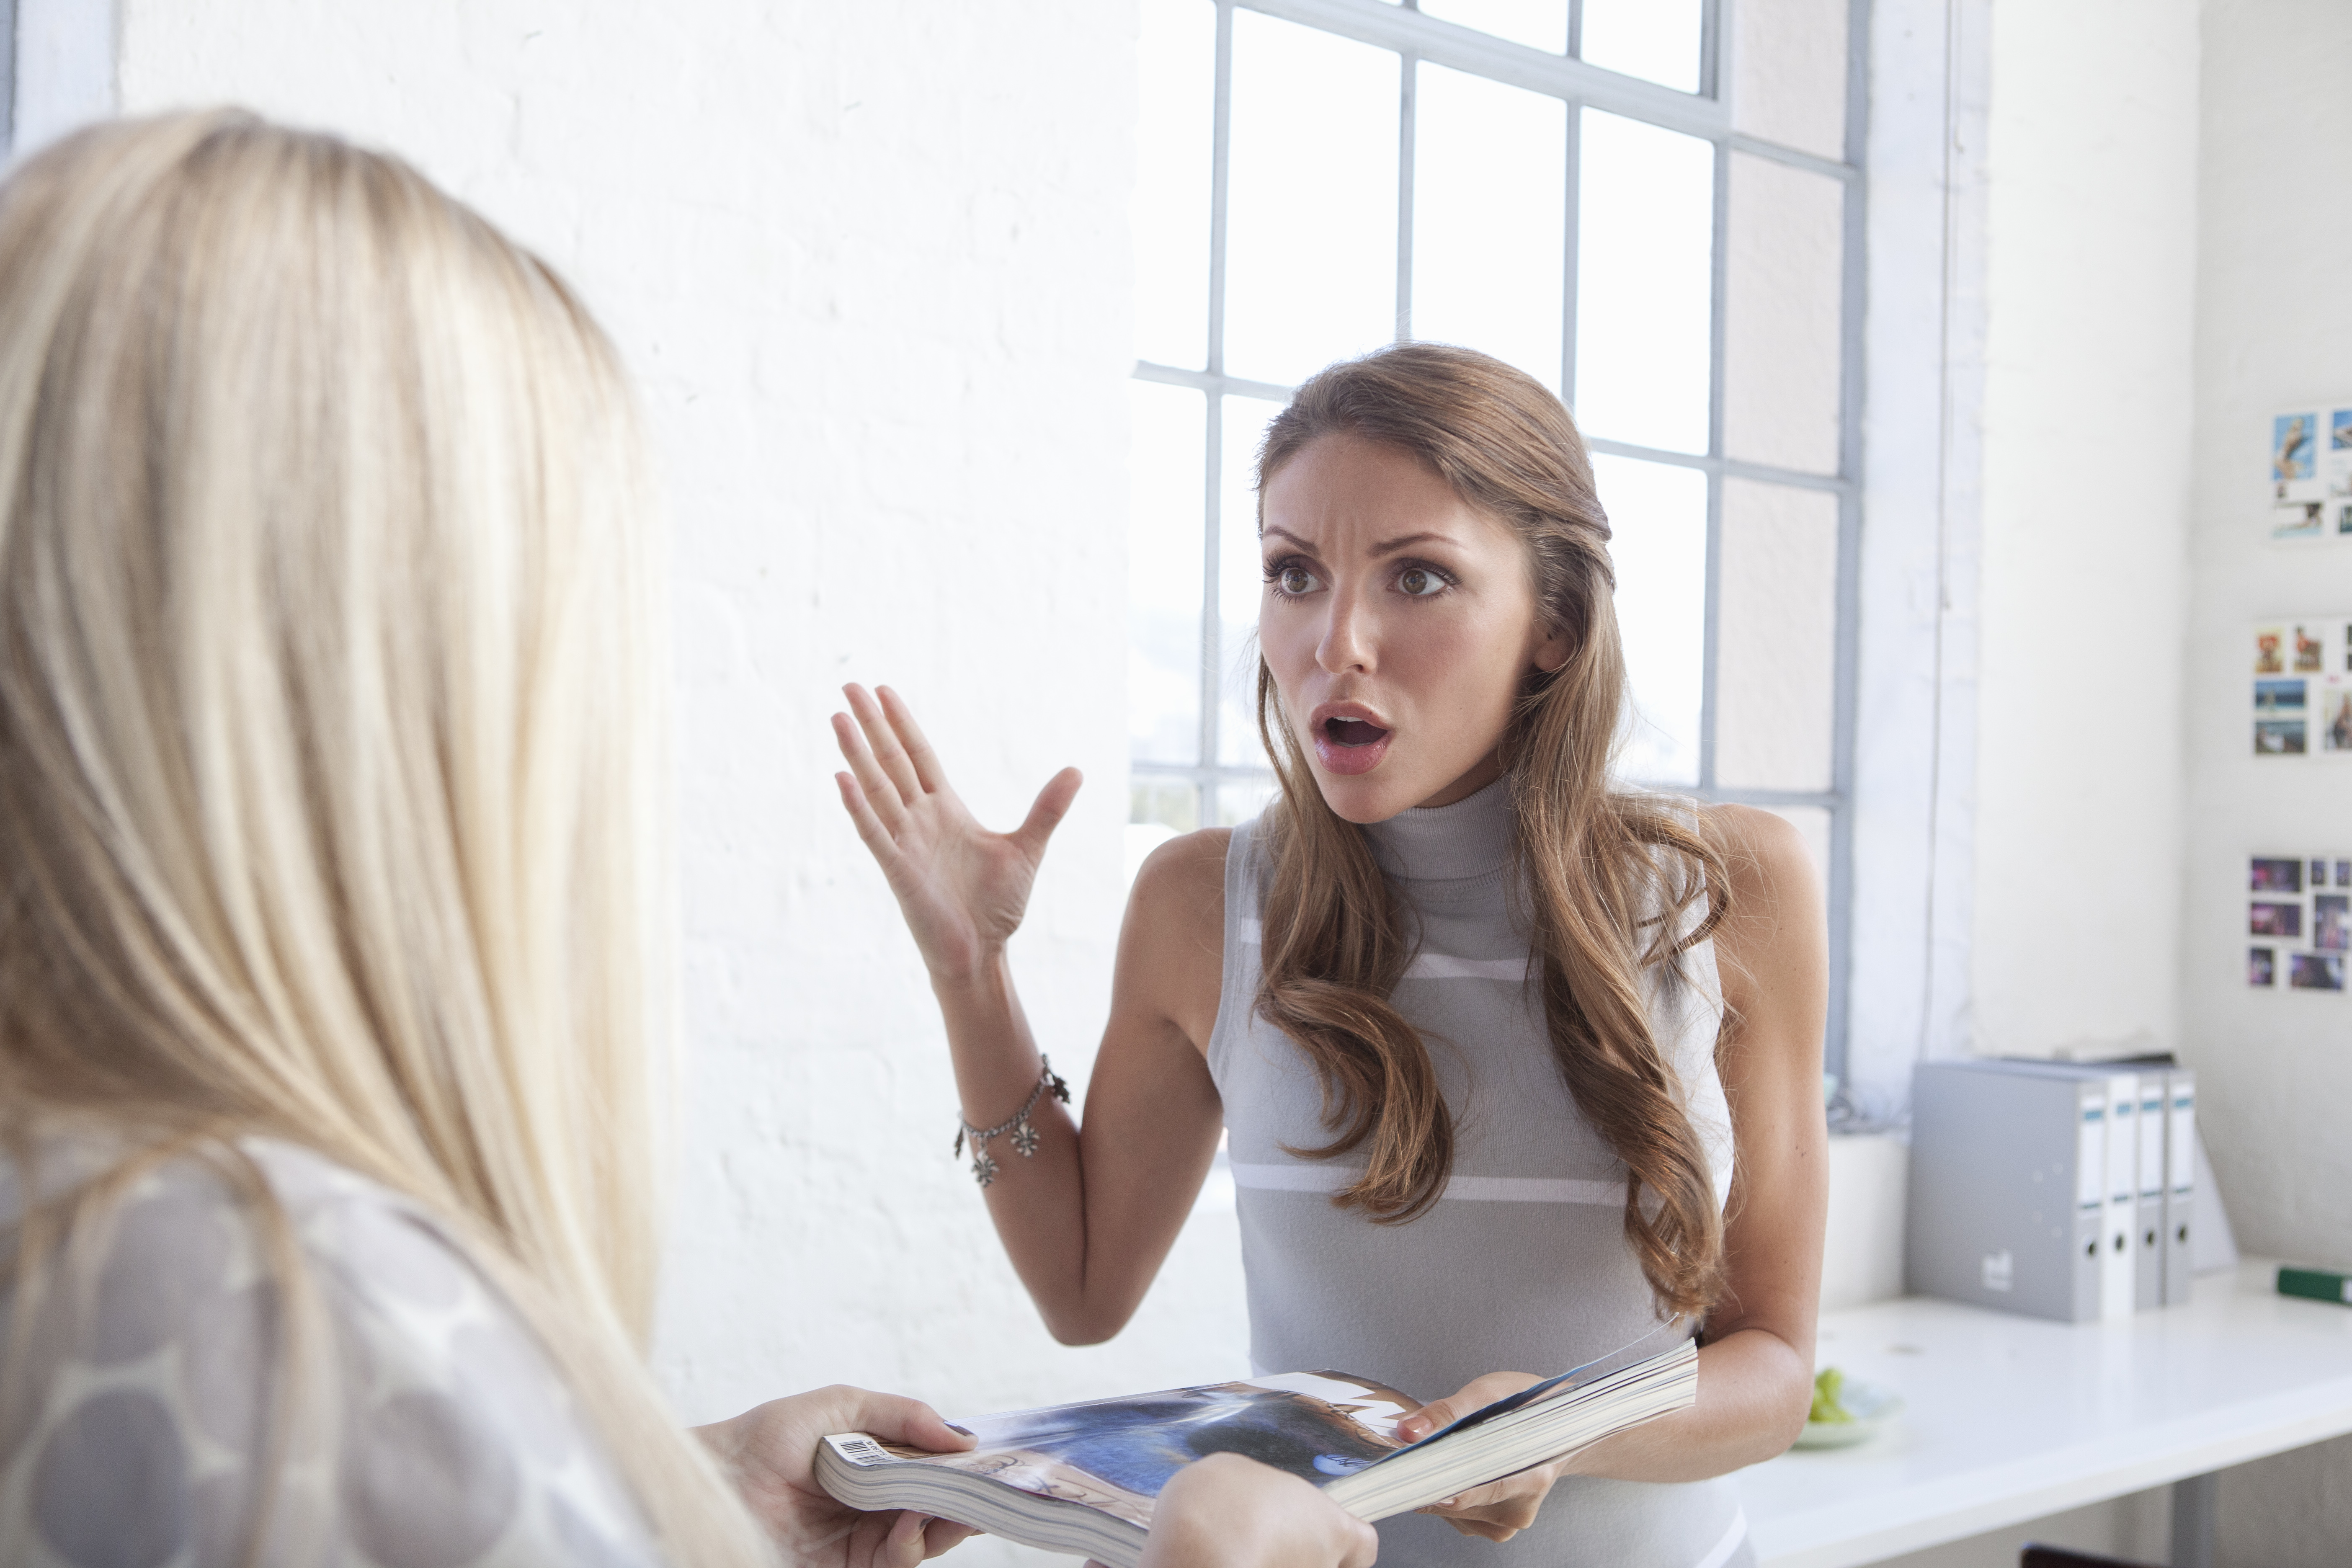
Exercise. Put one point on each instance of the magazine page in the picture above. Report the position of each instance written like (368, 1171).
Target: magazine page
(1116, 1454)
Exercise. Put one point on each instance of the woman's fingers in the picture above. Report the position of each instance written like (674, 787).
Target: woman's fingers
(870, 830)
(929, 772)
(1470, 1398)
(889, 752)
(1053, 805)
(881, 794)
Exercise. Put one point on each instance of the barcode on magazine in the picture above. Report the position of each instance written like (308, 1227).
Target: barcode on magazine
(860, 1450)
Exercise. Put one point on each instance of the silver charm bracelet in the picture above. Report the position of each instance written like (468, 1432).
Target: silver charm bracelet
(1024, 1136)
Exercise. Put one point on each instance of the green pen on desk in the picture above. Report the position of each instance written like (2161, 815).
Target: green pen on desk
(2319, 1284)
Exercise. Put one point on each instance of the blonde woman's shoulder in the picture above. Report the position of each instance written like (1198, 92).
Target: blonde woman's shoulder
(439, 1432)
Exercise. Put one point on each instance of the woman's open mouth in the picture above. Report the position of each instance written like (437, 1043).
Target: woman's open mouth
(1344, 743)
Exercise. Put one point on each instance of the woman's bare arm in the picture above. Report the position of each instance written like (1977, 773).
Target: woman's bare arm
(1755, 1357)
(1089, 1219)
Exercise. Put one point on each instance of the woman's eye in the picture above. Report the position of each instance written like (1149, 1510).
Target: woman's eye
(1419, 582)
(1295, 580)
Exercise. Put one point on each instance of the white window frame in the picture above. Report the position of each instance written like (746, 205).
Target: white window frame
(1706, 115)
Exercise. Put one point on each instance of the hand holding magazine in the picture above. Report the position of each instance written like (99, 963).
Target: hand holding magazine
(1083, 1478)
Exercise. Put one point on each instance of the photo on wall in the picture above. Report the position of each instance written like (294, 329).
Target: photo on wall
(2331, 923)
(2266, 919)
(2308, 477)
(2274, 875)
(2276, 696)
(2335, 704)
(2300, 700)
(2315, 970)
(2299, 912)
(2280, 737)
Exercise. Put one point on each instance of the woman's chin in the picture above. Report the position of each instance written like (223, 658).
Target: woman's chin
(1362, 798)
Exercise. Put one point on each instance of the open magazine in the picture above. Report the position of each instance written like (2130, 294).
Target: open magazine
(1083, 1478)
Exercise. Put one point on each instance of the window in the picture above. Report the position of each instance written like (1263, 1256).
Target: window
(1651, 206)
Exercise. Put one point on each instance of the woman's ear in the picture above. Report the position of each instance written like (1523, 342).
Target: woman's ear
(1552, 651)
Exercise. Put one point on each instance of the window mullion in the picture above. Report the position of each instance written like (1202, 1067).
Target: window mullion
(1213, 465)
(1718, 291)
(1408, 82)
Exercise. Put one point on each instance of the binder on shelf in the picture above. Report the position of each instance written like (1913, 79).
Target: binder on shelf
(2011, 1191)
(2148, 1227)
(2179, 1184)
(2119, 1264)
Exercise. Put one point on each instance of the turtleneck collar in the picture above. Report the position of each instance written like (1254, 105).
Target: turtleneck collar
(1472, 838)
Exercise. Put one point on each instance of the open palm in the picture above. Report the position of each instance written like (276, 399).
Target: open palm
(961, 888)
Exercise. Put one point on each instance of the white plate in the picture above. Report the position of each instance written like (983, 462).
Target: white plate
(1871, 1407)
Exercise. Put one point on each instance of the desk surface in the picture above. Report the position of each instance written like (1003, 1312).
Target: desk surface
(2006, 1418)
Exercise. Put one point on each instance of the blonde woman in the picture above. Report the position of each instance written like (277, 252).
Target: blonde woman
(333, 975)
(1520, 1068)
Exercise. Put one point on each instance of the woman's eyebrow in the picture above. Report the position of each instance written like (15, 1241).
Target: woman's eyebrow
(1306, 544)
(1390, 546)
(1385, 547)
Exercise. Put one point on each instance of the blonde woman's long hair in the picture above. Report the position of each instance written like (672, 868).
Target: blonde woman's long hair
(332, 794)
(1611, 879)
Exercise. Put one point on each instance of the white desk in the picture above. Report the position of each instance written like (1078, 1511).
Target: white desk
(2006, 1418)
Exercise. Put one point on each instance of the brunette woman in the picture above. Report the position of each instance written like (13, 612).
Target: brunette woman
(1521, 1067)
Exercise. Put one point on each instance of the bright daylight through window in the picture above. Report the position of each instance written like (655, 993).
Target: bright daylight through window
(1653, 207)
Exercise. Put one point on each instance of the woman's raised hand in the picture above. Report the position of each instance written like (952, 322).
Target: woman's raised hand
(962, 889)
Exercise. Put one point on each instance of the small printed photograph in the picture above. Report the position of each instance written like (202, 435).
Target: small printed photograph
(2263, 919)
(2294, 453)
(2318, 875)
(2279, 738)
(2278, 696)
(2274, 874)
(2299, 520)
(2309, 651)
(2331, 923)
(2315, 970)
(2268, 642)
(2335, 719)
(2339, 429)
(2344, 518)
(2344, 873)
(2262, 967)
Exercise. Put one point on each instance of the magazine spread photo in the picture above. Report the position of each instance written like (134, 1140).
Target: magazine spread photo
(1083, 1478)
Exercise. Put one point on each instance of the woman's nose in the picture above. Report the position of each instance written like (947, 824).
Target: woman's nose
(1347, 643)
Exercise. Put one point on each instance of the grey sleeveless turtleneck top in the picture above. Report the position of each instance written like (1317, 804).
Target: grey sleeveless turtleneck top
(1523, 1265)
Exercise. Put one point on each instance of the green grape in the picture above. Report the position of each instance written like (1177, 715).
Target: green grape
(1826, 1387)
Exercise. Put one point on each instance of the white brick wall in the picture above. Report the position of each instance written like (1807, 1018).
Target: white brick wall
(871, 265)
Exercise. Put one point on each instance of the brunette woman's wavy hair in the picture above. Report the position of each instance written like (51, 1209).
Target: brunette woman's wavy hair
(1611, 878)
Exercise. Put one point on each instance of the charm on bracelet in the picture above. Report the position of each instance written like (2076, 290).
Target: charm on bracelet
(1026, 1137)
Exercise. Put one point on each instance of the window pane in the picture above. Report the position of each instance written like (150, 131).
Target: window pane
(1788, 73)
(1176, 62)
(1310, 257)
(1645, 240)
(1658, 516)
(1775, 637)
(1166, 508)
(1489, 217)
(1657, 40)
(1784, 260)
(1538, 24)
(1239, 802)
(1241, 583)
